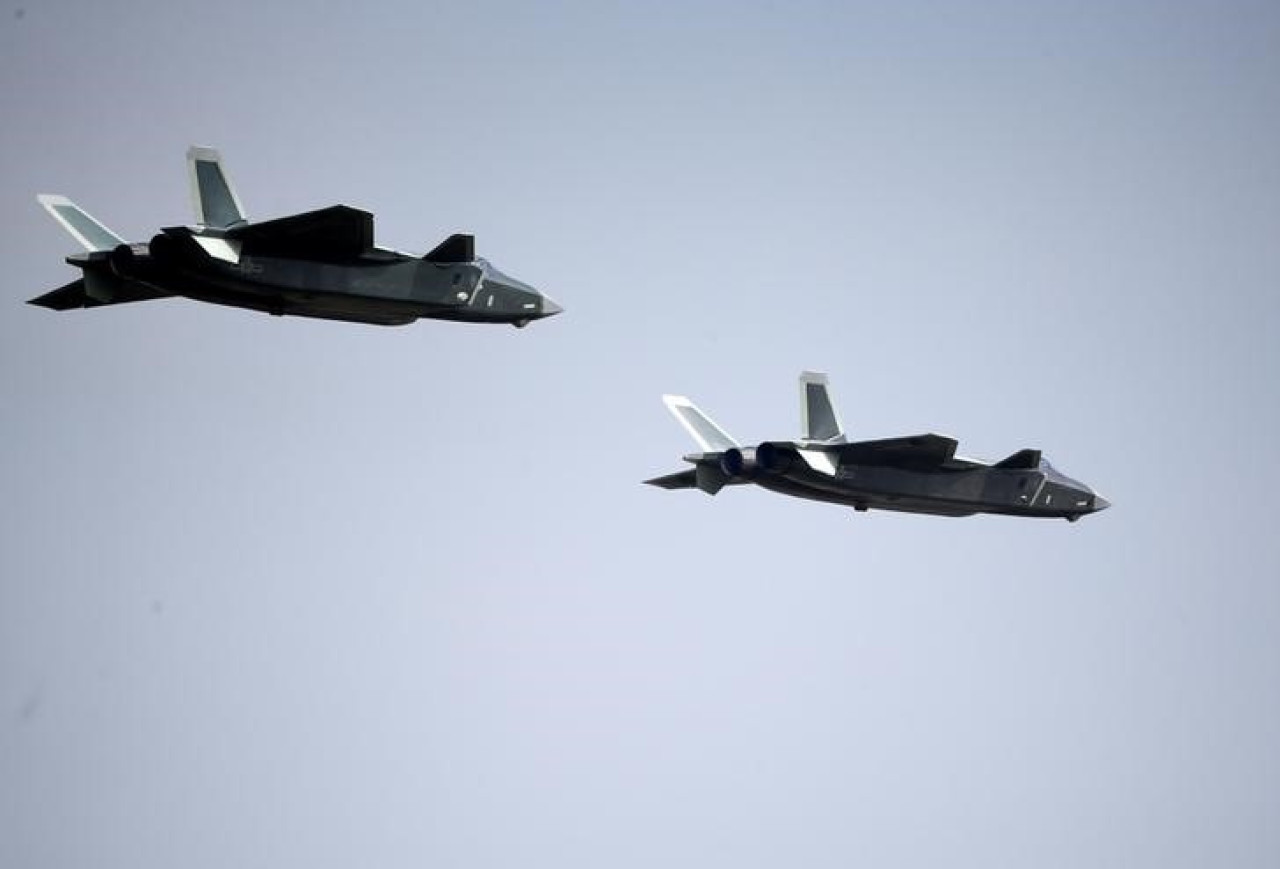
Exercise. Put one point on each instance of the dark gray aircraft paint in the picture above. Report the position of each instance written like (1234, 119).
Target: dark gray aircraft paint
(916, 474)
(316, 264)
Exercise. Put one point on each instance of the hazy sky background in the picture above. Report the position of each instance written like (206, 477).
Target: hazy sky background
(278, 592)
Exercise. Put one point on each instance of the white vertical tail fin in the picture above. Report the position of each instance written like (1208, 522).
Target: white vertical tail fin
(212, 196)
(819, 421)
(91, 234)
(709, 436)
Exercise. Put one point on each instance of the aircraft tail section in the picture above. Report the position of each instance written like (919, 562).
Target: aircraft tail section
(214, 199)
(98, 286)
(819, 421)
(704, 476)
(701, 428)
(78, 223)
(679, 480)
(64, 298)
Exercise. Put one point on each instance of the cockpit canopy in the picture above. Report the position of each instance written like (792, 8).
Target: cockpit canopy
(1053, 475)
(491, 274)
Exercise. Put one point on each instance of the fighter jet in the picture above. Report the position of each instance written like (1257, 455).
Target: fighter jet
(315, 264)
(917, 474)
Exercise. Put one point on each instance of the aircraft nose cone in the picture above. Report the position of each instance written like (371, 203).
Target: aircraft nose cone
(550, 308)
(1100, 503)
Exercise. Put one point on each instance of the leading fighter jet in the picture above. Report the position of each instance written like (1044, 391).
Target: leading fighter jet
(917, 474)
(316, 264)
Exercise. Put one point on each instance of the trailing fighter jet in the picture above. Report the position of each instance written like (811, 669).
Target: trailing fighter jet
(917, 474)
(316, 264)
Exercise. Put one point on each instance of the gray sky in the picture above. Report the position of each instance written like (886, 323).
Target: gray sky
(279, 593)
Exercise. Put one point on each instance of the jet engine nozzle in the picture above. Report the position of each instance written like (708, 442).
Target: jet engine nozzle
(122, 260)
(738, 462)
(773, 458)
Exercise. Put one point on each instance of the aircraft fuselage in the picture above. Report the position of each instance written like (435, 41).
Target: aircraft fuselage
(379, 286)
(957, 491)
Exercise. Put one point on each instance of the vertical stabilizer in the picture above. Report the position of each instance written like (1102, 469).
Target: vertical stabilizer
(709, 436)
(91, 234)
(212, 196)
(818, 419)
